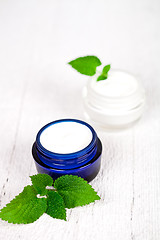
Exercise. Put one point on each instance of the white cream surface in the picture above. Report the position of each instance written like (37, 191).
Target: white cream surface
(66, 137)
(118, 84)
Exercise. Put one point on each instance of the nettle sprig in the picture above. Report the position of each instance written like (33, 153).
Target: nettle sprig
(46, 196)
(87, 65)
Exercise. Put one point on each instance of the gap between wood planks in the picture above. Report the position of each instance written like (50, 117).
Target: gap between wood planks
(133, 187)
(3, 192)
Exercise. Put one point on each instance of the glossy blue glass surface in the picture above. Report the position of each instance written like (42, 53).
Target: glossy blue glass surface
(88, 171)
(66, 161)
(85, 163)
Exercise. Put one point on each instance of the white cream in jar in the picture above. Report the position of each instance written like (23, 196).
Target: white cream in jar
(66, 137)
(116, 102)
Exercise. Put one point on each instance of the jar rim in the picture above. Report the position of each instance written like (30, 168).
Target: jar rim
(68, 160)
(113, 71)
(127, 101)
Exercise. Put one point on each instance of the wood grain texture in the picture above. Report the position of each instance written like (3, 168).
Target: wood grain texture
(37, 39)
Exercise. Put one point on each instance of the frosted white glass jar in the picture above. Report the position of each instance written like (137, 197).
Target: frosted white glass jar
(116, 102)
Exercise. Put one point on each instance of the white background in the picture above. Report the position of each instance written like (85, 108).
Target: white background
(37, 39)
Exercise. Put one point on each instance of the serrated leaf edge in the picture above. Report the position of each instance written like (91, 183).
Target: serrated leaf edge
(64, 176)
(10, 221)
(75, 176)
(64, 208)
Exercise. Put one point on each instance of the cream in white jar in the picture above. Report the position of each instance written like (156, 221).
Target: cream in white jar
(116, 102)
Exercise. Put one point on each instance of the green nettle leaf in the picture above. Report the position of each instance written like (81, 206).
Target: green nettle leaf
(24, 208)
(40, 181)
(68, 192)
(106, 69)
(56, 207)
(104, 74)
(75, 191)
(86, 65)
(101, 77)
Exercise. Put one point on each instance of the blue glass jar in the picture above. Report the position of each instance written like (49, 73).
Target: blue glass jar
(84, 163)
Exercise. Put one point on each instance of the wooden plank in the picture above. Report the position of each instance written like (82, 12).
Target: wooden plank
(37, 39)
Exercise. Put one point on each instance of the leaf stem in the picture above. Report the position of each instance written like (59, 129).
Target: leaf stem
(50, 188)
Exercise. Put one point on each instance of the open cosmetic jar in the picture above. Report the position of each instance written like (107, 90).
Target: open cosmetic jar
(114, 103)
(67, 146)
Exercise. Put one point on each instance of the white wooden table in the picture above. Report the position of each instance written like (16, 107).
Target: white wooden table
(37, 39)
